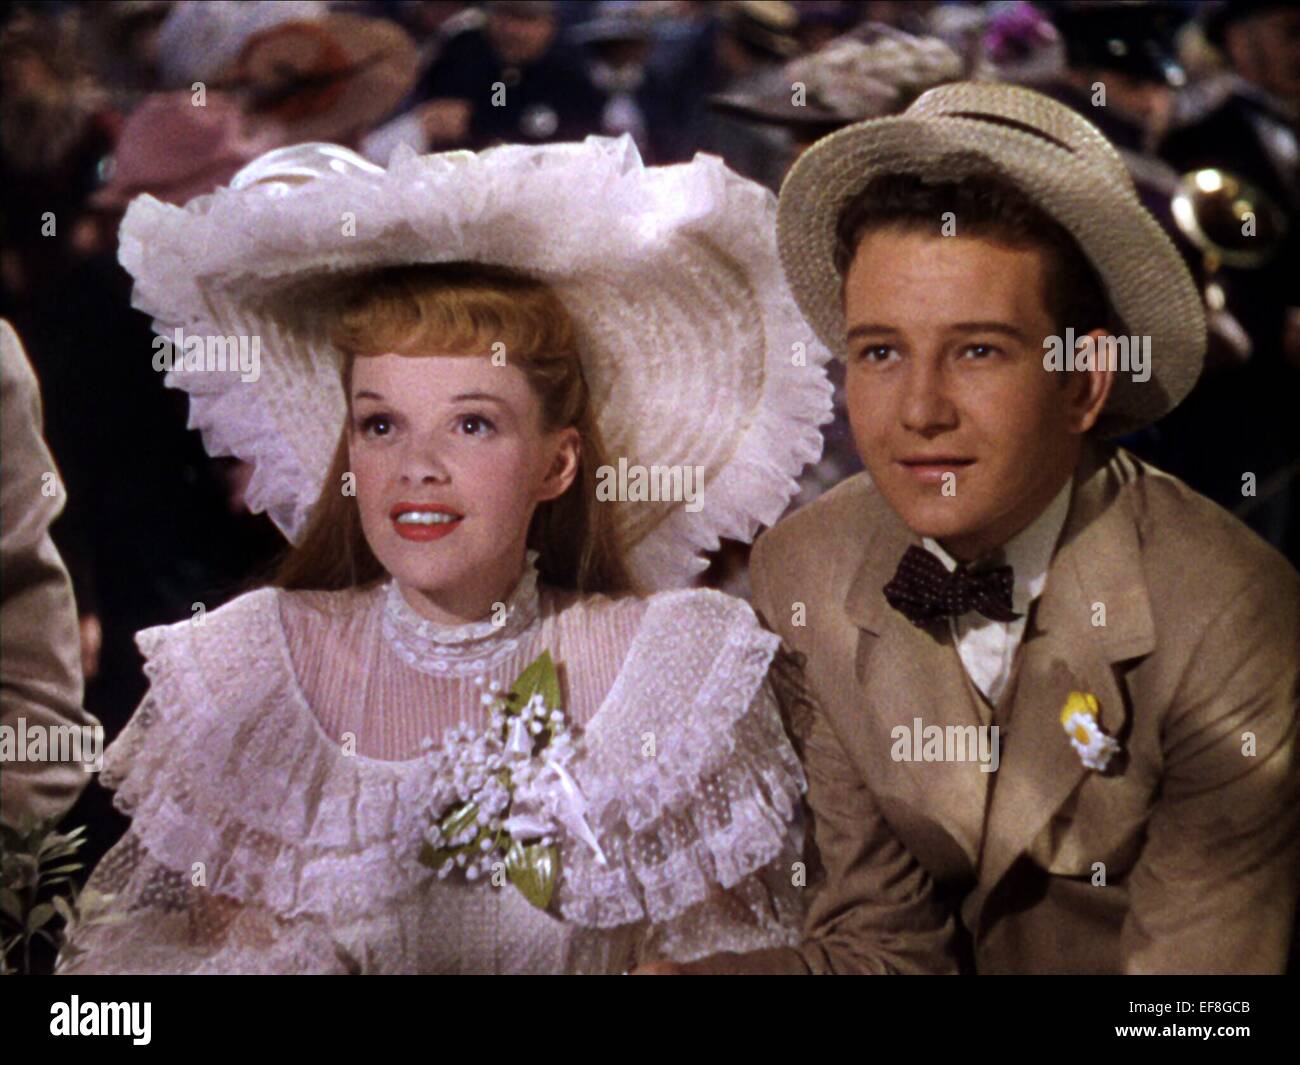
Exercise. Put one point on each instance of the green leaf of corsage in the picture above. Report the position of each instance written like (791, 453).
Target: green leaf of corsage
(472, 833)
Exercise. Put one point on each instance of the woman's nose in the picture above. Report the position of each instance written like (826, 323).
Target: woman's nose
(423, 460)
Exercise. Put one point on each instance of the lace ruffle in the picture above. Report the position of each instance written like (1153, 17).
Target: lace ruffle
(217, 766)
(688, 773)
(460, 649)
(225, 765)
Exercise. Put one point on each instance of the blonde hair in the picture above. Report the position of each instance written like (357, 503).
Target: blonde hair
(461, 308)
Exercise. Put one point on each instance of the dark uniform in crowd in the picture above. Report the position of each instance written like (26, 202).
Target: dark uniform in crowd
(521, 82)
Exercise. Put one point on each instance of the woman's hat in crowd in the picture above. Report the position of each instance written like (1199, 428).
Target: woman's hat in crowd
(1056, 158)
(328, 78)
(318, 74)
(176, 151)
(693, 348)
(876, 70)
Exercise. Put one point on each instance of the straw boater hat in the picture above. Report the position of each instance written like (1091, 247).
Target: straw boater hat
(689, 337)
(1056, 158)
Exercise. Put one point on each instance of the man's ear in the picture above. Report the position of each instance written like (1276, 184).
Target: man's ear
(564, 465)
(1088, 390)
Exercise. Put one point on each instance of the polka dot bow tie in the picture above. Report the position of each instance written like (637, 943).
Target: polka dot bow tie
(922, 589)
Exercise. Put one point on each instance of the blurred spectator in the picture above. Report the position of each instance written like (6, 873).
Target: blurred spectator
(431, 23)
(329, 78)
(175, 151)
(200, 39)
(121, 40)
(875, 70)
(618, 43)
(821, 21)
(56, 130)
(736, 48)
(1012, 41)
(511, 80)
(1242, 419)
(1128, 51)
(910, 16)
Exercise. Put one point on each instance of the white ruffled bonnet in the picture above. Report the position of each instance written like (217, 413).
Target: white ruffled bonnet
(693, 347)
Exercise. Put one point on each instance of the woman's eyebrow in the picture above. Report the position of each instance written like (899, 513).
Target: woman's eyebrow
(478, 396)
(366, 393)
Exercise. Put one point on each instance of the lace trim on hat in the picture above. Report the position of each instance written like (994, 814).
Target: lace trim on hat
(678, 263)
(461, 649)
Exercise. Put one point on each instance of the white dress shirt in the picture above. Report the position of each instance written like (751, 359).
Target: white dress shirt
(987, 647)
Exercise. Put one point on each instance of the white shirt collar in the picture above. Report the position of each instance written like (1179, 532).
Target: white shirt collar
(1028, 553)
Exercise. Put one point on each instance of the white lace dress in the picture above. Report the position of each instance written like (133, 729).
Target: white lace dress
(279, 793)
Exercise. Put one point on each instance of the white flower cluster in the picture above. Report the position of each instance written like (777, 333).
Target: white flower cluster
(499, 771)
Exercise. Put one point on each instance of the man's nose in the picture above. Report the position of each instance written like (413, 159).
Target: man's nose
(926, 406)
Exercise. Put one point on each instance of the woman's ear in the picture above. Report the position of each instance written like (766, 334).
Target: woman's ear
(564, 465)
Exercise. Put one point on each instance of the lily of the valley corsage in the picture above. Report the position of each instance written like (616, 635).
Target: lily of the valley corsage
(503, 794)
(1079, 719)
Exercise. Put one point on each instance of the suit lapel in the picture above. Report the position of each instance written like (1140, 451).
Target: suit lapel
(904, 673)
(1096, 568)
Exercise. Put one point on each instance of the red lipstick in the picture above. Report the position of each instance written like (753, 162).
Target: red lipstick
(436, 521)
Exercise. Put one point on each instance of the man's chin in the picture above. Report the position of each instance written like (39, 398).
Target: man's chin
(938, 519)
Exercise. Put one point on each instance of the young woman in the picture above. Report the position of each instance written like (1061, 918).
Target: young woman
(472, 725)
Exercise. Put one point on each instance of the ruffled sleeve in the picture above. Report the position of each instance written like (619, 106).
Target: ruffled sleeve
(160, 922)
(693, 788)
(243, 814)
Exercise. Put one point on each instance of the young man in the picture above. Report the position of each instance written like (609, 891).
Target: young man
(1046, 695)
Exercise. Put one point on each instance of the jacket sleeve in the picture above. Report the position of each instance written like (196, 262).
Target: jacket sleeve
(872, 906)
(40, 664)
(1216, 886)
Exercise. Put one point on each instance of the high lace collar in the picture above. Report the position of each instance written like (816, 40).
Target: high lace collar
(461, 649)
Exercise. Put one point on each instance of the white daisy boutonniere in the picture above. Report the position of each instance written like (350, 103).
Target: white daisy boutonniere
(1079, 719)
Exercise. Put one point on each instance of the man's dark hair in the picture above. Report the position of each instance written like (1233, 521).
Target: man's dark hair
(983, 206)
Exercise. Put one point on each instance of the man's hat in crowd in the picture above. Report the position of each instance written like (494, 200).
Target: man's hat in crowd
(1135, 39)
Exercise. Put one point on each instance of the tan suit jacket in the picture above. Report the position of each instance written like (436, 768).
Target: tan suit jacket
(922, 865)
(40, 645)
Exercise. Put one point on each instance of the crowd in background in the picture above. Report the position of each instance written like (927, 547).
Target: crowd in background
(104, 101)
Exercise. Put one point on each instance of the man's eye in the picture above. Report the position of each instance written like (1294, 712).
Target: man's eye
(979, 351)
(875, 353)
(475, 424)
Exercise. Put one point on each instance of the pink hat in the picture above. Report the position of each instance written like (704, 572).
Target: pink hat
(175, 150)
